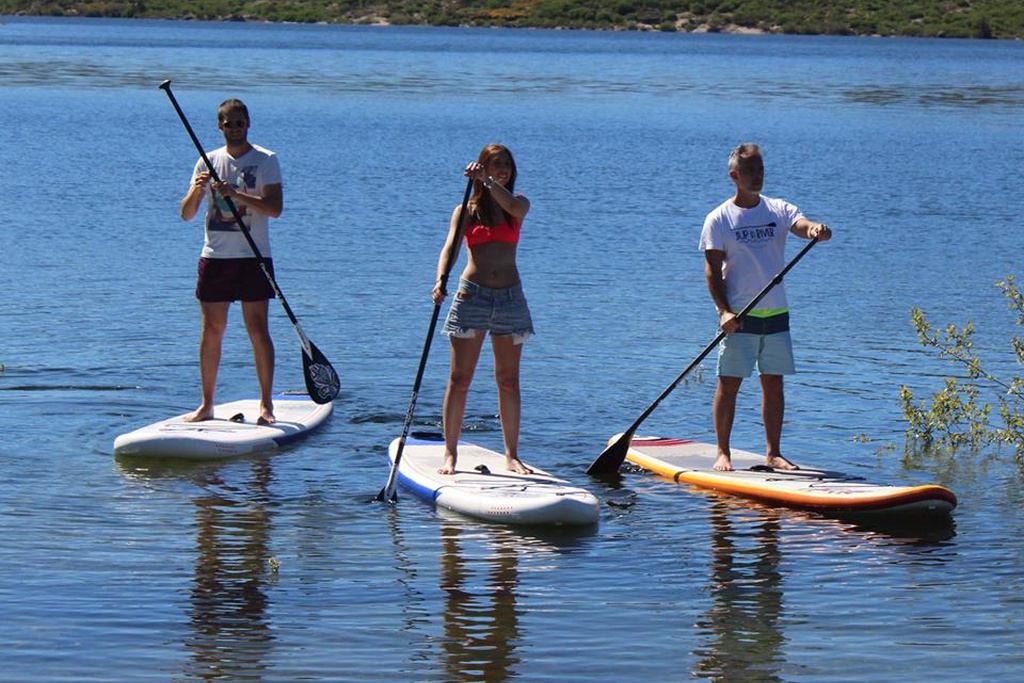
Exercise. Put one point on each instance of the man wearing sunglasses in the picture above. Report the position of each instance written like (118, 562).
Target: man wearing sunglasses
(250, 177)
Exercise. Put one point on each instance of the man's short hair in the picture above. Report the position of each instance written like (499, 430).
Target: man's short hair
(228, 106)
(740, 152)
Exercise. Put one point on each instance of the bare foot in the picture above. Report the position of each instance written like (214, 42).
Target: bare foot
(200, 414)
(266, 414)
(723, 463)
(777, 462)
(516, 465)
(449, 465)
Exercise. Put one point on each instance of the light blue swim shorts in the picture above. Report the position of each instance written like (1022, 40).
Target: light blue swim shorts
(739, 352)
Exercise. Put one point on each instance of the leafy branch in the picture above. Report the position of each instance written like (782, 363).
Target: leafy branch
(957, 416)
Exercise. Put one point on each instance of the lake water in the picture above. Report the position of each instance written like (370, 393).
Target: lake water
(122, 571)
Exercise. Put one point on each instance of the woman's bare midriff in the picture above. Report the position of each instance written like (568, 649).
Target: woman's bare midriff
(492, 265)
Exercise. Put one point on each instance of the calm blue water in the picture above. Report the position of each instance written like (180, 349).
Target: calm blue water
(910, 149)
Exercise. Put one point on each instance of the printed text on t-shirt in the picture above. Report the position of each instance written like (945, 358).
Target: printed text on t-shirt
(755, 233)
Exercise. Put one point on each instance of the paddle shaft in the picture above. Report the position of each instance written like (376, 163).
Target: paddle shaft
(613, 456)
(389, 493)
(313, 355)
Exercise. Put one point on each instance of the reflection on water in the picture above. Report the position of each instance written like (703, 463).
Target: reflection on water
(915, 533)
(742, 623)
(231, 635)
(404, 62)
(743, 632)
(478, 633)
(359, 77)
(481, 622)
(939, 96)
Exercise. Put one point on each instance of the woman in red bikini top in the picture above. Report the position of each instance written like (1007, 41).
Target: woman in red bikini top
(489, 299)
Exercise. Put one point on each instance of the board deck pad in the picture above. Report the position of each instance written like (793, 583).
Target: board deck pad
(826, 491)
(233, 431)
(483, 488)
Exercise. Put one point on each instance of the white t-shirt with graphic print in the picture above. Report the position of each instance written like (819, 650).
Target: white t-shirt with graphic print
(250, 173)
(754, 242)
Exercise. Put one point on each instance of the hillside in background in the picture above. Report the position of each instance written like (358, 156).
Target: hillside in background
(938, 18)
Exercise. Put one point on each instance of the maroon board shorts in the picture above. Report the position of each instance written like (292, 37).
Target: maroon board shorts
(233, 279)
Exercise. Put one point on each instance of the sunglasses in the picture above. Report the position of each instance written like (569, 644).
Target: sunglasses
(240, 123)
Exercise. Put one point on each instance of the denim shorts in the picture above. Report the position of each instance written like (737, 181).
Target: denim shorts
(501, 312)
(772, 353)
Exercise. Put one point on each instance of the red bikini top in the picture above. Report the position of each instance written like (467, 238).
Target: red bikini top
(477, 233)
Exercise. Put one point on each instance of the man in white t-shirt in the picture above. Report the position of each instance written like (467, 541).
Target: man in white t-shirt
(744, 243)
(250, 176)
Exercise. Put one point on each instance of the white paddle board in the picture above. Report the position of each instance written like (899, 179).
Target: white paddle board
(233, 431)
(832, 493)
(484, 489)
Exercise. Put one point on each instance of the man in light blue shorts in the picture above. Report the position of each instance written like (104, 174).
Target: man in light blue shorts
(744, 245)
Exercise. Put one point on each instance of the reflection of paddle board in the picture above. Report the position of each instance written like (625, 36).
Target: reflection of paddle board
(484, 489)
(224, 437)
(831, 493)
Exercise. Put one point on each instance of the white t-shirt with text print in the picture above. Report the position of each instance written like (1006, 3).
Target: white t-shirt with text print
(754, 242)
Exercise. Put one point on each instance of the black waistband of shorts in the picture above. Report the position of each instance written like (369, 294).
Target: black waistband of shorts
(773, 324)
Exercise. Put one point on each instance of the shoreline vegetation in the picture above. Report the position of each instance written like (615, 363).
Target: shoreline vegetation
(999, 19)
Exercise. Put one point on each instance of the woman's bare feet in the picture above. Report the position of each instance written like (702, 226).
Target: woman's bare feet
(449, 464)
(200, 414)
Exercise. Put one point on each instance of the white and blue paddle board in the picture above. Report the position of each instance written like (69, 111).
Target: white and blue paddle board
(233, 431)
(483, 488)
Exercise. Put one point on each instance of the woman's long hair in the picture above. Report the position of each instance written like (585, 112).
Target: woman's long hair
(482, 206)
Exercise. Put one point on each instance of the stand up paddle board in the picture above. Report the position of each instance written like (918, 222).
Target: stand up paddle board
(831, 493)
(232, 431)
(482, 488)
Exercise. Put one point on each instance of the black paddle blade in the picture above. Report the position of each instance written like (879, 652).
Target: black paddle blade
(612, 457)
(322, 382)
(385, 497)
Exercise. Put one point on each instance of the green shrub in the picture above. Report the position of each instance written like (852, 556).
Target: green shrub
(957, 416)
